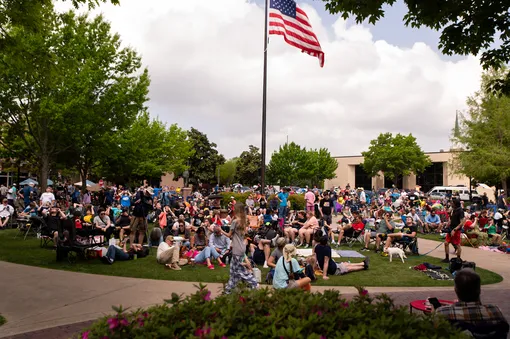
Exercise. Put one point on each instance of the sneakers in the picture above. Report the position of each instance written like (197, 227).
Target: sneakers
(365, 249)
(265, 265)
(366, 261)
(106, 260)
(446, 260)
(306, 246)
(273, 241)
(175, 267)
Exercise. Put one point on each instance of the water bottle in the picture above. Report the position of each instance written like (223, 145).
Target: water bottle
(227, 260)
(258, 274)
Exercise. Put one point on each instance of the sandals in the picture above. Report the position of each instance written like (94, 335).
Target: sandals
(222, 265)
(211, 267)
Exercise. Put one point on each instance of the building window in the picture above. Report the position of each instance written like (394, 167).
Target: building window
(432, 176)
(361, 178)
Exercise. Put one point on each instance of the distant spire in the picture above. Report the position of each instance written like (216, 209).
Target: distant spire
(456, 132)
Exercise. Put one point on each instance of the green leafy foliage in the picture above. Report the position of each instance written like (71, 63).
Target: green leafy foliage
(467, 27)
(148, 149)
(484, 134)
(248, 166)
(228, 172)
(295, 165)
(2, 320)
(395, 156)
(204, 162)
(104, 89)
(273, 314)
(239, 197)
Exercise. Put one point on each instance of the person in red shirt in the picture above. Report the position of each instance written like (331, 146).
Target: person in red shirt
(349, 229)
(483, 219)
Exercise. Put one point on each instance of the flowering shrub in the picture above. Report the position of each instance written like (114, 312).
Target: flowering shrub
(267, 313)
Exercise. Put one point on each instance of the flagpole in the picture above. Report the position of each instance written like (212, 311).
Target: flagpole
(264, 99)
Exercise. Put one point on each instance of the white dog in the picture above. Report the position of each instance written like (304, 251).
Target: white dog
(395, 251)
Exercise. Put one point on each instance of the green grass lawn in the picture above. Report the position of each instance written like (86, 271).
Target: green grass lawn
(381, 272)
(431, 236)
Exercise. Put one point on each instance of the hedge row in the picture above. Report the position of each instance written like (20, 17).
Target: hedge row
(268, 313)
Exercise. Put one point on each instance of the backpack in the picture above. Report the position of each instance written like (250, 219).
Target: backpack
(455, 264)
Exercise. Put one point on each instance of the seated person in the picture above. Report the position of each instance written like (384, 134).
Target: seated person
(285, 267)
(407, 233)
(123, 222)
(385, 226)
(349, 229)
(433, 222)
(6, 211)
(206, 252)
(88, 219)
(308, 228)
(182, 229)
(29, 211)
(329, 267)
(52, 220)
(103, 224)
(472, 230)
(492, 232)
(168, 254)
(469, 313)
(293, 228)
(219, 242)
(122, 254)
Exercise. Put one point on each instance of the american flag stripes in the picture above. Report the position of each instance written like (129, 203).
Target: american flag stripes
(291, 22)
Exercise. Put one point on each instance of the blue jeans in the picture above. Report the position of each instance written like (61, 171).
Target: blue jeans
(115, 253)
(282, 211)
(207, 252)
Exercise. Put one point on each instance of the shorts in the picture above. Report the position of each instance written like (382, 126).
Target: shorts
(138, 224)
(341, 269)
(327, 219)
(292, 284)
(310, 208)
(455, 240)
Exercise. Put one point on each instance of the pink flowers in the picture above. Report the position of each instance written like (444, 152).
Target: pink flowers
(113, 323)
(345, 305)
(85, 335)
(203, 331)
(364, 292)
(207, 296)
(242, 300)
(319, 313)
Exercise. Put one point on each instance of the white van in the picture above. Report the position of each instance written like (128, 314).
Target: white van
(439, 192)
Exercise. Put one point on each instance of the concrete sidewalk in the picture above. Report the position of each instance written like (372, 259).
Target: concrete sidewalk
(35, 298)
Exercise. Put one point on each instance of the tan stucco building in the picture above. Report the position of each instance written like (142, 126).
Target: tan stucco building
(440, 173)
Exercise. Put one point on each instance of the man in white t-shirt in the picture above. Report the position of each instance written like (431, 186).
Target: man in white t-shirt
(168, 253)
(47, 197)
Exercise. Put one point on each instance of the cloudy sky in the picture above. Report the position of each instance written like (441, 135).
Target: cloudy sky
(205, 62)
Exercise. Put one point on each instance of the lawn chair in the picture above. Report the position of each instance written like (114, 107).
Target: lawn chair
(25, 227)
(406, 245)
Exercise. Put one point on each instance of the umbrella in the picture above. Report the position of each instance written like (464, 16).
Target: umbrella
(88, 182)
(28, 182)
(484, 186)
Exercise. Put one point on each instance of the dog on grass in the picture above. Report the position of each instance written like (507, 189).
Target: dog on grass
(395, 251)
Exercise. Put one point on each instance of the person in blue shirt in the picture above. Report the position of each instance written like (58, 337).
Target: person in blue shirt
(432, 221)
(125, 200)
(27, 190)
(283, 196)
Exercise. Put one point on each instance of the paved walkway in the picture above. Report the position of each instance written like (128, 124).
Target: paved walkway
(33, 298)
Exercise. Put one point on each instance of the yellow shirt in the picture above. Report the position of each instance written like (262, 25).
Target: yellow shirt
(87, 219)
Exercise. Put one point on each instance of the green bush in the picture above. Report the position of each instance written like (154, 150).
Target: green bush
(267, 313)
(297, 202)
(2, 320)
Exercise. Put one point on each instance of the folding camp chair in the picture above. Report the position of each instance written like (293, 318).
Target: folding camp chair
(25, 227)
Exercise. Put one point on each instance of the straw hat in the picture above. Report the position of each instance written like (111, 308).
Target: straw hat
(289, 251)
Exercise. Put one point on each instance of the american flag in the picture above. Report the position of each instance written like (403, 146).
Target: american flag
(291, 22)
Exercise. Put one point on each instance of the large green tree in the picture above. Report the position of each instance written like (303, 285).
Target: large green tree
(484, 136)
(395, 156)
(467, 27)
(248, 166)
(228, 172)
(204, 162)
(295, 165)
(105, 88)
(148, 149)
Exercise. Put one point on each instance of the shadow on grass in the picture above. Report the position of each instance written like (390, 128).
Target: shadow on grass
(381, 272)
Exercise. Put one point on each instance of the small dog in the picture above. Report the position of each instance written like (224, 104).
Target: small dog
(395, 251)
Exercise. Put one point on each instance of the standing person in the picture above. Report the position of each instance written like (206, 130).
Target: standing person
(27, 192)
(238, 271)
(283, 196)
(457, 220)
(310, 200)
(11, 195)
(325, 208)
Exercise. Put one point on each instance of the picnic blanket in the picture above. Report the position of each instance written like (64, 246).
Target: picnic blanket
(349, 254)
(305, 252)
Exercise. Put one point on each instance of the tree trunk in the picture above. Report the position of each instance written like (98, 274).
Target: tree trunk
(43, 172)
(83, 174)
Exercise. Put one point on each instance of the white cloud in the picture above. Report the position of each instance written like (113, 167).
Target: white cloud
(205, 61)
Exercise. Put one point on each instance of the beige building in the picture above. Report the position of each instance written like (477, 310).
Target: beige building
(439, 173)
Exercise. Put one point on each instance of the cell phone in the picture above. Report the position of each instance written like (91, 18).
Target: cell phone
(435, 303)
